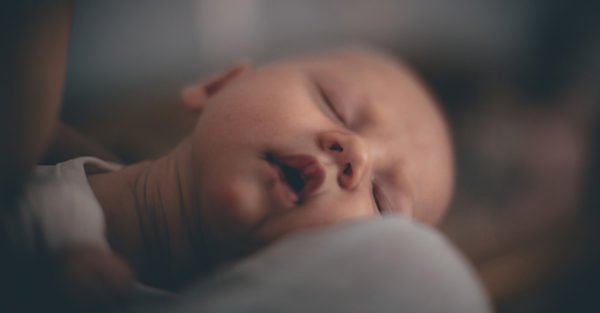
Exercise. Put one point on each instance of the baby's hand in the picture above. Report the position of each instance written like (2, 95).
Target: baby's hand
(92, 278)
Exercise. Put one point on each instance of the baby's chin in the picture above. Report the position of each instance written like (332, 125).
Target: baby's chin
(233, 204)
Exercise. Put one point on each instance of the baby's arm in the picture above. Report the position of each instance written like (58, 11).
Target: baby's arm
(90, 277)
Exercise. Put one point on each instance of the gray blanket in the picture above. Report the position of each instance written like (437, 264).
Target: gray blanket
(389, 264)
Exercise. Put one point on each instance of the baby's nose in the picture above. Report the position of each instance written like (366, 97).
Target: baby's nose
(349, 153)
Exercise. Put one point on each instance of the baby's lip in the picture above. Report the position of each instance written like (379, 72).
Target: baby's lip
(306, 167)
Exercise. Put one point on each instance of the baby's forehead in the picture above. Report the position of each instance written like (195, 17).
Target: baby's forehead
(361, 73)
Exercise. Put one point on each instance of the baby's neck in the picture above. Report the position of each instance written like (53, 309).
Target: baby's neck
(150, 217)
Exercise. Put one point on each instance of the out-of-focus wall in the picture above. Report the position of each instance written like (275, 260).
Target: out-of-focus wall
(473, 29)
(117, 45)
(121, 44)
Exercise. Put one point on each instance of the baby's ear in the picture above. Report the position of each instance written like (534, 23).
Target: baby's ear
(194, 97)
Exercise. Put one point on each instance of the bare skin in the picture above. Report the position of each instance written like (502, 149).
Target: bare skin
(34, 65)
(145, 206)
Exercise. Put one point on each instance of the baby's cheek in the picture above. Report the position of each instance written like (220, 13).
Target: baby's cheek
(235, 205)
(435, 188)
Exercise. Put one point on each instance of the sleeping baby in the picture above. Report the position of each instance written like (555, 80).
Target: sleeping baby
(301, 143)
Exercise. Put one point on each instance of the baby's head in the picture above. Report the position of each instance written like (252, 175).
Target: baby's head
(314, 140)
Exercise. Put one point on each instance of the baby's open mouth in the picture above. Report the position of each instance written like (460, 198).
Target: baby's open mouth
(302, 173)
(293, 177)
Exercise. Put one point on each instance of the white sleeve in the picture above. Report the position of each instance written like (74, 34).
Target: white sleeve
(58, 207)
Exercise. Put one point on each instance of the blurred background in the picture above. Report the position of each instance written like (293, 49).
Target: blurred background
(519, 80)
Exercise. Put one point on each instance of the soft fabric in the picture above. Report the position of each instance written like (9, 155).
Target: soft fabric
(59, 208)
(390, 264)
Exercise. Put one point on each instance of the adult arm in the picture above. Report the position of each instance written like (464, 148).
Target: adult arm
(68, 143)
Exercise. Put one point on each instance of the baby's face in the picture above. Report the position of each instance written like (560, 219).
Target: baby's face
(312, 141)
